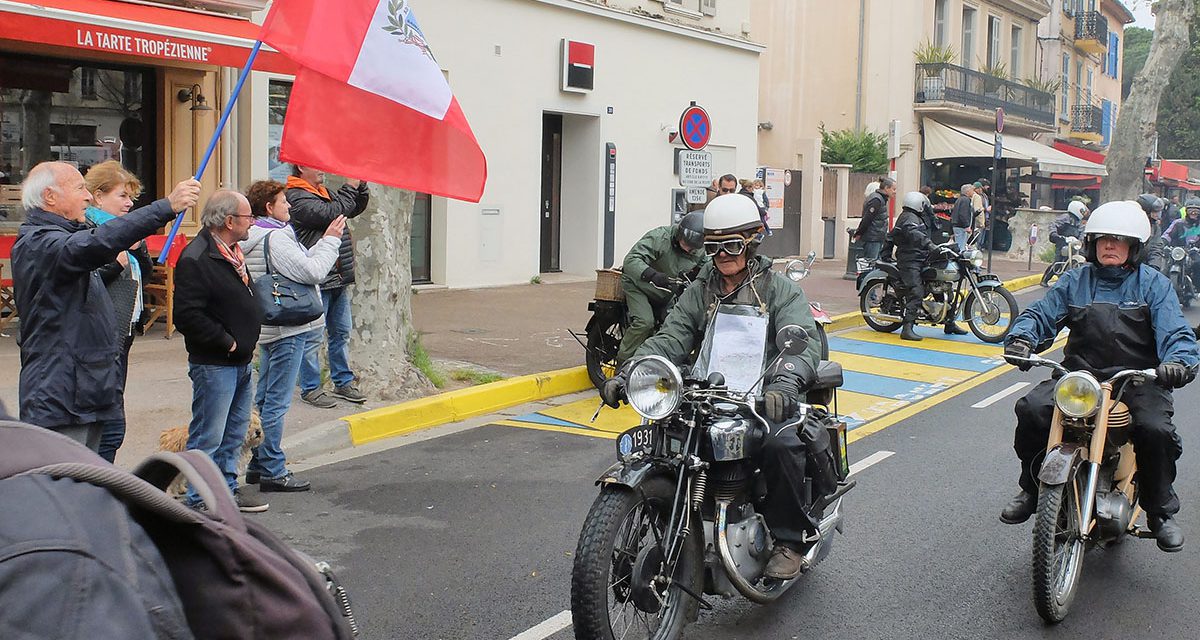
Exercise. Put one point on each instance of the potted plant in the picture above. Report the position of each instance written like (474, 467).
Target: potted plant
(1043, 90)
(994, 77)
(933, 59)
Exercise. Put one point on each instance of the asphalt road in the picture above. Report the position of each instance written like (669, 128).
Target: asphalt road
(470, 536)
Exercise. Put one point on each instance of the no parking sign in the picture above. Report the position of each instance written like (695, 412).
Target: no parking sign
(695, 127)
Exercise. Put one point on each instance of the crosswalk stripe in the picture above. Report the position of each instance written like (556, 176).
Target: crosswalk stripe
(932, 342)
(911, 354)
(899, 368)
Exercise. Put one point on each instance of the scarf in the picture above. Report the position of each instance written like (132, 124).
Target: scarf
(269, 223)
(235, 257)
(294, 182)
(98, 217)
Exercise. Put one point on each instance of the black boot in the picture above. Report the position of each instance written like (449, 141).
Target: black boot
(1167, 531)
(907, 333)
(1019, 508)
(952, 329)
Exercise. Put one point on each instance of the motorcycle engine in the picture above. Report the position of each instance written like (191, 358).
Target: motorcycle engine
(934, 303)
(750, 545)
(1113, 513)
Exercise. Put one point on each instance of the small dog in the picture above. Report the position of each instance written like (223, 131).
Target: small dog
(176, 438)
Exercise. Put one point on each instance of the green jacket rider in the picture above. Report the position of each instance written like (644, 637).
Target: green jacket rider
(654, 273)
(738, 277)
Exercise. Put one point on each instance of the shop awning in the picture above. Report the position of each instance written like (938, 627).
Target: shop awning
(151, 33)
(947, 141)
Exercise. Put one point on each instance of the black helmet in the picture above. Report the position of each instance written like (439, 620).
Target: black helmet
(1150, 203)
(690, 232)
(1192, 202)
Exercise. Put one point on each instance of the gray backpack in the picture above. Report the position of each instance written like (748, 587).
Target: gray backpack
(90, 551)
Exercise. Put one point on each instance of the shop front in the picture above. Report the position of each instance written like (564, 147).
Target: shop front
(84, 81)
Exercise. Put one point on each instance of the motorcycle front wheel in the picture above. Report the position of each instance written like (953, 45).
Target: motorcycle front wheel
(603, 341)
(1057, 548)
(990, 314)
(879, 296)
(620, 588)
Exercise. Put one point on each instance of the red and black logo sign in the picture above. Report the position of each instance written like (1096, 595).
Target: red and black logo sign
(579, 66)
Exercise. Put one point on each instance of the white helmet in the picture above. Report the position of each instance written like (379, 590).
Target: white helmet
(915, 201)
(1123, 218)
(729, 214)
(1077, 209)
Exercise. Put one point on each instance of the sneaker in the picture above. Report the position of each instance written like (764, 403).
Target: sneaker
(319, 398)
(287, 483)
(349, 393)
(249, 504)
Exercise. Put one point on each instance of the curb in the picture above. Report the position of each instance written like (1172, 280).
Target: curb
(453, 406)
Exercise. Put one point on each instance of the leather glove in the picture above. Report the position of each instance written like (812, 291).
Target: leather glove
(779, 405)
(1173, 375)
(1018, 348)
(612, 391)
(677, 285)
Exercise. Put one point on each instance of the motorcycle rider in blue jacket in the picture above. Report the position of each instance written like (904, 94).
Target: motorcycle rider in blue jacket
(1122, 314)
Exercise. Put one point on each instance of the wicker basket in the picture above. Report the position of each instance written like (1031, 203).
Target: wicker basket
(608, 285)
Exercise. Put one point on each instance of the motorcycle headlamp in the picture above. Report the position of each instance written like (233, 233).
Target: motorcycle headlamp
(1178, 254)
(974, 256)
(654, 388)
(1077, 394)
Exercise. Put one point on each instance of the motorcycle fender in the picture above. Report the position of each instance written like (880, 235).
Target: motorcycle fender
(819, 314)
(630, 475)
(989, 277)
(1056, 468)
(867, 277)
(601, 312)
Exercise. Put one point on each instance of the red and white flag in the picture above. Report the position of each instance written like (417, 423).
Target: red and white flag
(370, 100)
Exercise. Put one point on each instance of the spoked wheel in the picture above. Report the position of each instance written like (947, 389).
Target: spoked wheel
(603, 341)
(823, 339)
(1057, 548)
(880, 297)
(990, 314)
(621, 586)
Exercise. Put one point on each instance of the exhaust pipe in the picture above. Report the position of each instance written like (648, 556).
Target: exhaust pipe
(886, 317)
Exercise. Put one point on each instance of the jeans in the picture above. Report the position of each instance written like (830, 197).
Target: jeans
(221, 397)
(112, 432)
(86, 434)
(871, 251)
(337, 325)
(960, 237)
(278, 366)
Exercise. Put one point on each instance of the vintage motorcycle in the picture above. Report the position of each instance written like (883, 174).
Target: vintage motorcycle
(675, 518)
(610, 316)
(953, 281)
(1070, 257)
(1179, 270)
(1088, 493)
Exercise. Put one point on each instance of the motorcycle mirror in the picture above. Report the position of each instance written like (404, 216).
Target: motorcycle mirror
(812, 255)
(792, 340)
(796, 270)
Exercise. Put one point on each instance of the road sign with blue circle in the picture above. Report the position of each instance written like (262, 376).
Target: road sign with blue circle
(695, 127)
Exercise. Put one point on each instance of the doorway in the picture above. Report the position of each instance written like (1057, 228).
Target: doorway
(551, 202)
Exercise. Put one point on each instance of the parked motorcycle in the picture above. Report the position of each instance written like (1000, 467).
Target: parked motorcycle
(610, 317)
(1179, 270)
(1069, 258)
(953, 281)
(675, 519)
(1088, 481)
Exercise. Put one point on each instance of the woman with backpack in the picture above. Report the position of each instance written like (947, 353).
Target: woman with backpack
(281, 347)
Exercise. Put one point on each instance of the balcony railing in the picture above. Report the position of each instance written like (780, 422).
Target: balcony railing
(1087, 122)
(1091, 32)
(948, 83)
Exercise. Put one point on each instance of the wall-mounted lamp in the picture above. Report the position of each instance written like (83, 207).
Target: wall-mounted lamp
(766, 126)
(193, 95)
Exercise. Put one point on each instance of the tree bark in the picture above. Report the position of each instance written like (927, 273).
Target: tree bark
(381, 298)
(1133, 136)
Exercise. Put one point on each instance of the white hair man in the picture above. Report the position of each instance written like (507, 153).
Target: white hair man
(68, 339)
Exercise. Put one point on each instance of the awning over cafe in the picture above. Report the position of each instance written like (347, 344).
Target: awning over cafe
(952, 141)
(153, 33)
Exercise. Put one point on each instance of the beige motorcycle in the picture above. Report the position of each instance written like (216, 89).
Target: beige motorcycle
(1088, 494)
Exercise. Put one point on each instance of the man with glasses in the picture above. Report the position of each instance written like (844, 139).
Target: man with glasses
(742, 284)
(654, 272)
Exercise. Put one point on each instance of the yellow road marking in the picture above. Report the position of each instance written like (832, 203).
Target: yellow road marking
(900, 369)
(930, 344)
(866, 407)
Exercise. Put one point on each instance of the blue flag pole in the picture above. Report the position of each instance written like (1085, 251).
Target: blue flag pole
(212, 144)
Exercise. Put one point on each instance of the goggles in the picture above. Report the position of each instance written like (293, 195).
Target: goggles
(733, 246)
(1115, 238)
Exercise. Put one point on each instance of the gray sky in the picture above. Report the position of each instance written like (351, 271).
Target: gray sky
(1141, 9)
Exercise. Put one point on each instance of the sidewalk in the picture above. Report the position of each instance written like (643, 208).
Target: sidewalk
(515, 330)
